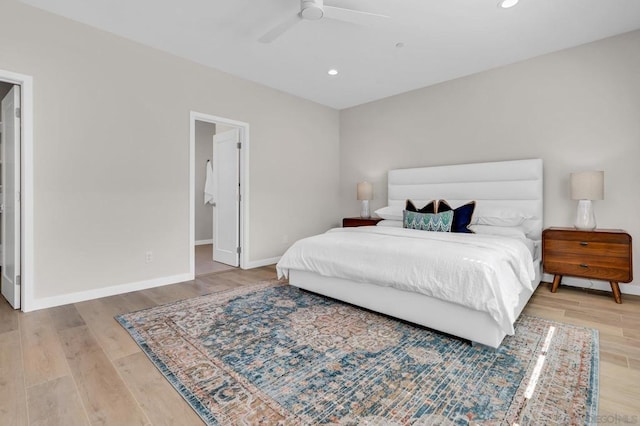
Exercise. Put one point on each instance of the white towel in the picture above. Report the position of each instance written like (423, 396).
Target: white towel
(208, 184)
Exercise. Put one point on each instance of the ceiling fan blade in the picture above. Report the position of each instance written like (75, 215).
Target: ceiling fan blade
(280, 29)
(352, 15)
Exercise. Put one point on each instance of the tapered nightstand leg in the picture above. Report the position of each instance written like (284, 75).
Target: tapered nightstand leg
(616, 291)
(556, 283)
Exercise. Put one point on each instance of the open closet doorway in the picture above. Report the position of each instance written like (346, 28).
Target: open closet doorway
(10, 130)
(218, 152)
(16, 189)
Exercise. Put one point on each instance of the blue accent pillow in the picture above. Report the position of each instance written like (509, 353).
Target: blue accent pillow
(438, 222)
(461, 216)
(429, 208)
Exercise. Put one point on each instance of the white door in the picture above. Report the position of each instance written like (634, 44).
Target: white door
(10, 228)
(226, 198)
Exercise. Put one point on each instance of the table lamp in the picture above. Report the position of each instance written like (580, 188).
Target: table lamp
(365, 193)
(586, 186)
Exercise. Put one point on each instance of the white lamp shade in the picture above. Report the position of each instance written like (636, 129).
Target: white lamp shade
(365, 191)
(587, 185)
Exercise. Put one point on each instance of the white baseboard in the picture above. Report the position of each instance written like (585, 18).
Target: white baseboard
(81, 296)
(594, 284)
(203, 242)
(263, 262)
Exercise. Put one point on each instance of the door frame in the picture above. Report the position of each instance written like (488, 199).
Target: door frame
(244, 184)
(27, 278)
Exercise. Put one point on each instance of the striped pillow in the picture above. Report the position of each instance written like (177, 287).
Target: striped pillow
(438, 222)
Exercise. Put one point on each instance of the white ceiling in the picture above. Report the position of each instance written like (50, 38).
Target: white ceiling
(442, 39)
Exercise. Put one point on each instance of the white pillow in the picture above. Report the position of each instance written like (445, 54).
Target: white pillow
(390, 213)
(499, 217)
(504, 231)
(390, 223)
(498, 221)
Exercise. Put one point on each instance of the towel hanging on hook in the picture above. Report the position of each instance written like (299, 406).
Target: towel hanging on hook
(208, 184)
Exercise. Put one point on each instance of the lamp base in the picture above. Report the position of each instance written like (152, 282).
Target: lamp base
(585, 218)
(364, 211)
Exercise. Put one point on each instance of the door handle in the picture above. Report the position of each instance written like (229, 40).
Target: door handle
(213, 204)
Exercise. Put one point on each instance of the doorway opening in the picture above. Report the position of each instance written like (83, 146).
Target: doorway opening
(16, 184)
(218, 193)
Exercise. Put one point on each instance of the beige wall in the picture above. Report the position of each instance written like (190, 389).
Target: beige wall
(204, 151)
(111, 154)
(578, 109)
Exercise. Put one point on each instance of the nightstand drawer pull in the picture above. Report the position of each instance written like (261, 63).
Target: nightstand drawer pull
(584, 265)
(584, 243)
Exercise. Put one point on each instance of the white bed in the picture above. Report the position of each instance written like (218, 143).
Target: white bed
(498, 186)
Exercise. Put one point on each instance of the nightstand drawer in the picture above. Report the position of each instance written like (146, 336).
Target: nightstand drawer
(585, 248)
(584, 269)
(348, 222)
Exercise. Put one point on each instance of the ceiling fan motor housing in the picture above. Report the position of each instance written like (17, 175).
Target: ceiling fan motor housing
(311, 9)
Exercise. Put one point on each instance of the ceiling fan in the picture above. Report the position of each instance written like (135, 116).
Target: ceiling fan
(313, 10)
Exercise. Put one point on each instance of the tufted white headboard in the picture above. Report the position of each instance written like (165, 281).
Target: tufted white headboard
(515, 185)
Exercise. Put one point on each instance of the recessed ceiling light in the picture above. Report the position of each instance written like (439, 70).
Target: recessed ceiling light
(506, 4)
(332, 71)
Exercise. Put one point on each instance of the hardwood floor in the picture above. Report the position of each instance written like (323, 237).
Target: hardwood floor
(75, 364)
(204, 261)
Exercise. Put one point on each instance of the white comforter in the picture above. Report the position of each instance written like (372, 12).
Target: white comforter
(483, 272)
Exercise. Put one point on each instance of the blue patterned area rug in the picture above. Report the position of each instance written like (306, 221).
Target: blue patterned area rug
(273, 354)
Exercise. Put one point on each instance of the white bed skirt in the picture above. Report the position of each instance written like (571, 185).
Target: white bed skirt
(447, 317)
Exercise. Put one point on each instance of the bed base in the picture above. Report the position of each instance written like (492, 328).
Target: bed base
(440, 315)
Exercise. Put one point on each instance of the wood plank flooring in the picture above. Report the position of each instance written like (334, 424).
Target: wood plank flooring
(75, 365)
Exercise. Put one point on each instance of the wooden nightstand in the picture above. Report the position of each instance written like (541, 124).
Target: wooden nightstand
(348, 222)
(602, 254)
